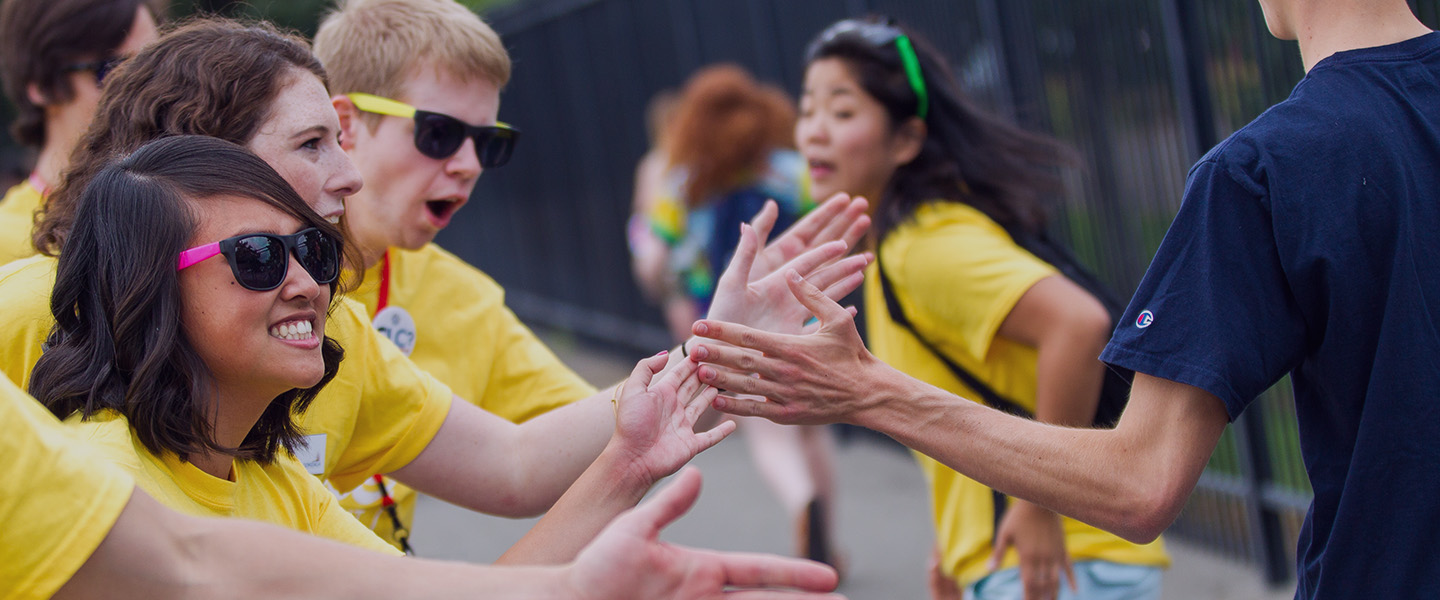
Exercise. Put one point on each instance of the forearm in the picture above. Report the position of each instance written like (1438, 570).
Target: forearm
(154, 553)
(610, 486)
(551, 451)
(484, 463)
(1131, 480)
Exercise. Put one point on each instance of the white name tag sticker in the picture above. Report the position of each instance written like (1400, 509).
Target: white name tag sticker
(311, 453)
(397, 325)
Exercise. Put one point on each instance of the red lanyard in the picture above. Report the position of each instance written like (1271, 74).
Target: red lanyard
(384, 299)
(39, 184)
(387, 503)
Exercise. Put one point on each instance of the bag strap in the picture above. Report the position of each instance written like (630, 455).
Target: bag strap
(991, 398)
(897, 315)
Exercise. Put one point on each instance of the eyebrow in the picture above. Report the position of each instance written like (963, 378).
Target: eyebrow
(320, 130)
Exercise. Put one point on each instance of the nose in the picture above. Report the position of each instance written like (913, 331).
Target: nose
(344, 181)
(809, 131)
(465, 163)
(299, 285)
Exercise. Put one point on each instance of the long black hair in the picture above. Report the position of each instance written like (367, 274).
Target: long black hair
(118, 342)
(968, 155)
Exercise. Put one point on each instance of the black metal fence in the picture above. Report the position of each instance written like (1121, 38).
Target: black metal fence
(1141, 87)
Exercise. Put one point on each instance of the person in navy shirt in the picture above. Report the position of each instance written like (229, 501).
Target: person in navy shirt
(1300, 248)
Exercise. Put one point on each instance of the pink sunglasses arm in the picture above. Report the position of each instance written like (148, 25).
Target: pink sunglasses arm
(197, 254)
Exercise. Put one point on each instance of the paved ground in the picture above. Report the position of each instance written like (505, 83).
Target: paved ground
(883, 508)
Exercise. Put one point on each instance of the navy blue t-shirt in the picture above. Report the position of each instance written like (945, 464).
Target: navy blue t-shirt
(1309, 243)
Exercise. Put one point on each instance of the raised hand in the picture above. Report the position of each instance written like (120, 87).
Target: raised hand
(840, 218)
(766, 302)
(628, 561)
(655, 414)
(1039, 541)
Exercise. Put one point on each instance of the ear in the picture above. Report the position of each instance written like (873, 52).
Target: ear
(34, 95)
(909, 138)
(350, 121)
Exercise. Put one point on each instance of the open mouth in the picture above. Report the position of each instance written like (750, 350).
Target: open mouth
(441, 209)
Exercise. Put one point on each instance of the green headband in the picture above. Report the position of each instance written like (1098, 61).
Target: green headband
(912, 73)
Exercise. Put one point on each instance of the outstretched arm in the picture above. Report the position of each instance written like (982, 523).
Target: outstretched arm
(1132, 480)
(156, 554)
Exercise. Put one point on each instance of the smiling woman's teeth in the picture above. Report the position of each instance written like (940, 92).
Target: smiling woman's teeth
(294, 330)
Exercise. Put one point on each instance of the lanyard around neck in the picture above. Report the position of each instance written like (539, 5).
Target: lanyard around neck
(384, 299)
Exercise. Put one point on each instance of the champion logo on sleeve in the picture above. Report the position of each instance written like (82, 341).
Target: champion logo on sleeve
(1145, 319)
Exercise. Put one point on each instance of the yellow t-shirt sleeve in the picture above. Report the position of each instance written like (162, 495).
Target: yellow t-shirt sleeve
(17, 220)
(25, 287)
(959, 280)
(527, 379)
(398, 410)
(57, 504)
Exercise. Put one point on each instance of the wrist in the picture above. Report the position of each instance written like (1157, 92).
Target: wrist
(626, 476)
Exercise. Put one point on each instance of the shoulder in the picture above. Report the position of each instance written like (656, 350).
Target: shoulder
(433, 280)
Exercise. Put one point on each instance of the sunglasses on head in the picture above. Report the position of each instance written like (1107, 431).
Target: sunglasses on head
(260, 261)
(878, 35)
(101, 67)
(439, 136)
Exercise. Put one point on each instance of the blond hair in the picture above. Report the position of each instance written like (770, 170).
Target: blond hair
(374, 46)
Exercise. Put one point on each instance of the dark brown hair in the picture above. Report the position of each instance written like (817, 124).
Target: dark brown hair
(214, 77)
(118, 342)
(968, 156)
(39, 38)
(724, 128)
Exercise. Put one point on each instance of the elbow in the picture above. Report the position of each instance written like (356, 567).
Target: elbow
(1151, 511)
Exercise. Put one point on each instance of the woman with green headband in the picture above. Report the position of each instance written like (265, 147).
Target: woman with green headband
(952, 188)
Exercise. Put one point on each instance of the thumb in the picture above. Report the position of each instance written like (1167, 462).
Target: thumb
(669, 503)
(1002, 543)
(820, 305)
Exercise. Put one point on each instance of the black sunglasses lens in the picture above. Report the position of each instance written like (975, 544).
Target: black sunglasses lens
(495, 147)
(259, 262)
(438, 136)
(316, 252)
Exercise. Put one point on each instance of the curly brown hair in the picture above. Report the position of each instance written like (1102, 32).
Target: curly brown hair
(725, 127)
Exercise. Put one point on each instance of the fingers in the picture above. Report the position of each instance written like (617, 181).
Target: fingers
(812, 259)
(1002, 543)
(813, 223)
(745, 407)
(811, 297)
(699, 403)
(740, 335)
(713, 436)
(689, 388)
(676, 377)
(850, 226)
(748, 570)
(741, 360)
(737, 273)
(646, 369)
(829, 275)
(764, 221)
(1069, 568)
(669, 503)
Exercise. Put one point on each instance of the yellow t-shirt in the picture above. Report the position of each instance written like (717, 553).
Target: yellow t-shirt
(17, 220)
(957, 275)
(58, 499)
(452, 319)
(376, 416)
(281, 492)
